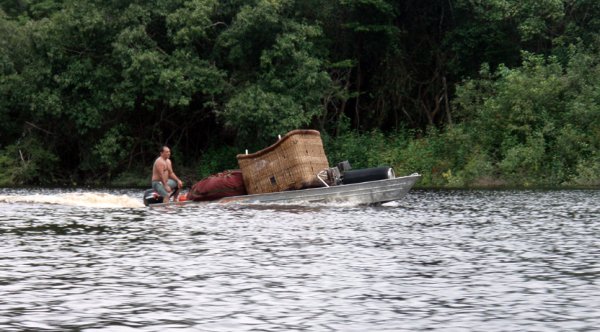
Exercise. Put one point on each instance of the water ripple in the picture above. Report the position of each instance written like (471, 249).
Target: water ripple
(436, 261)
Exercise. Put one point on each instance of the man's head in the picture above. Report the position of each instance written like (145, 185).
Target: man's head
(165, 152)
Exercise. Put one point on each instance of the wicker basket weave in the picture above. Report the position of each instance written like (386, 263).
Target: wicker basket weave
(291, 163)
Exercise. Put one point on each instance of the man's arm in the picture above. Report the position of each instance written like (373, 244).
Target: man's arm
(172, 174)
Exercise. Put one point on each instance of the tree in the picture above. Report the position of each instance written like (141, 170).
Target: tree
(284, 89)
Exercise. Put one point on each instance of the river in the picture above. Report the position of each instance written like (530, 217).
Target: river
(94, 260)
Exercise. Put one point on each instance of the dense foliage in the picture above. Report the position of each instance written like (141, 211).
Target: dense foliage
(468, 93)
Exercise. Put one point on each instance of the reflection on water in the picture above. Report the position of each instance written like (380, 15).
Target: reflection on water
(438, 260)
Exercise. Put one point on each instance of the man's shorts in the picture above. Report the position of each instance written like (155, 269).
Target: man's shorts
(158, 186)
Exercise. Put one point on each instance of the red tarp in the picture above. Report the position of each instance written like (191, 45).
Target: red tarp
(224, 184)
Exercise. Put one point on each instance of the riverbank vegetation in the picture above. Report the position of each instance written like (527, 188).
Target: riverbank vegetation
(467, 93)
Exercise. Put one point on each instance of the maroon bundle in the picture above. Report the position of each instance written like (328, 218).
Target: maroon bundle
(224, 184)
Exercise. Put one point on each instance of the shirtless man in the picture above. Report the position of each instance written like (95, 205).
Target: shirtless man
(163, 177)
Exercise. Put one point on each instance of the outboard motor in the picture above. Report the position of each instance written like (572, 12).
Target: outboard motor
(368, 174)
(152, 197)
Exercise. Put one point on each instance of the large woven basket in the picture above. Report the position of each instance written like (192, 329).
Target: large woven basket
(291, 163)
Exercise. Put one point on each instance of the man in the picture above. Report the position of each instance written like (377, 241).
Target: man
(164, 179)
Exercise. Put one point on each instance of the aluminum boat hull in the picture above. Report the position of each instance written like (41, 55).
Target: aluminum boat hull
(364, 193)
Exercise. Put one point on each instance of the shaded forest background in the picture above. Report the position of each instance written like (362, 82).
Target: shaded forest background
(468, 93)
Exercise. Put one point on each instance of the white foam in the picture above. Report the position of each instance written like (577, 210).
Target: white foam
(85, 199)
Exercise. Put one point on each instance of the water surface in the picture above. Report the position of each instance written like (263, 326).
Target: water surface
(435, 261)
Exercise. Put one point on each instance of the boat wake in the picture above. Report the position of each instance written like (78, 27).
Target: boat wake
(95, 200)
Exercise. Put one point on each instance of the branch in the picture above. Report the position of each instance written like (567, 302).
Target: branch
(38, 128)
